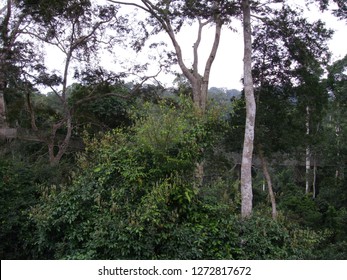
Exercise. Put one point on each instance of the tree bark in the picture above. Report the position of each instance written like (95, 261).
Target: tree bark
(339, 166)
(198, 82)
(55, 157)
(3, 122)
(308, 152)
(9, 31)
(314, 183)
(269, 182)
(4, 56)
(246, 165)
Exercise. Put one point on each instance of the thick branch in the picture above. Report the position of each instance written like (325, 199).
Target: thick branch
(3, 9)
(263, 19)
(16, 31)
(179, 54)
(195, 49)
(5, 23)
(214, 49)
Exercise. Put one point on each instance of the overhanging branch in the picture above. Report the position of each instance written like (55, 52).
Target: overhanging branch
(130, 4)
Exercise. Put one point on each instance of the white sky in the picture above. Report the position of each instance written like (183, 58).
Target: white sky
(227, 67)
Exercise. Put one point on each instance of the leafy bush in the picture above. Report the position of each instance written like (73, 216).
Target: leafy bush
(18, 193)
(135, 197)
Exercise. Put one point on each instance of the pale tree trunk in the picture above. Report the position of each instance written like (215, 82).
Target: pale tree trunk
(7, 37)
(308, 170)
(247, 154)
(55, 157)
(314, 190)
(198, 82)
(269, 183)
(308, 153)
(339, 165)
(3, 122)
(3, 57)
(337, 133)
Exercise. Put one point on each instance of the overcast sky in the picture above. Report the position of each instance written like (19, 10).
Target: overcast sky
(227, 67)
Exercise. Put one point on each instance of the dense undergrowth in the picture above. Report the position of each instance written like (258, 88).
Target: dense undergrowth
(133, 193)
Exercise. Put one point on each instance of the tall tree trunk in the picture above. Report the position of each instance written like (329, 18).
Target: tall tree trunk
(246, 165)
(308, 152)
(339, 165)
(5, 56)
(269, 182)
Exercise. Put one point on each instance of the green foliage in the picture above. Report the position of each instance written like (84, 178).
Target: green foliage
(133, 194)
(173, 138)
(99, 107)
(300, 208)
(112, 194)
(44, 11)
(19, 192)
(267, 242)
(135, 198)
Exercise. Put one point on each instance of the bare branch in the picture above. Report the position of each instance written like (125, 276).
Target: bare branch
(57, 94)
(3, 9)
(145, 79)
(264, 19)
(129, 4)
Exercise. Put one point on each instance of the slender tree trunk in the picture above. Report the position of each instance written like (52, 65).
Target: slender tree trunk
(5, 56)
(269, 183)
(3, 122)
(308, 152)
(337, 173)
(308, 170)
(55, 157)
(338, 143)
(246, 166)
(314, 178)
